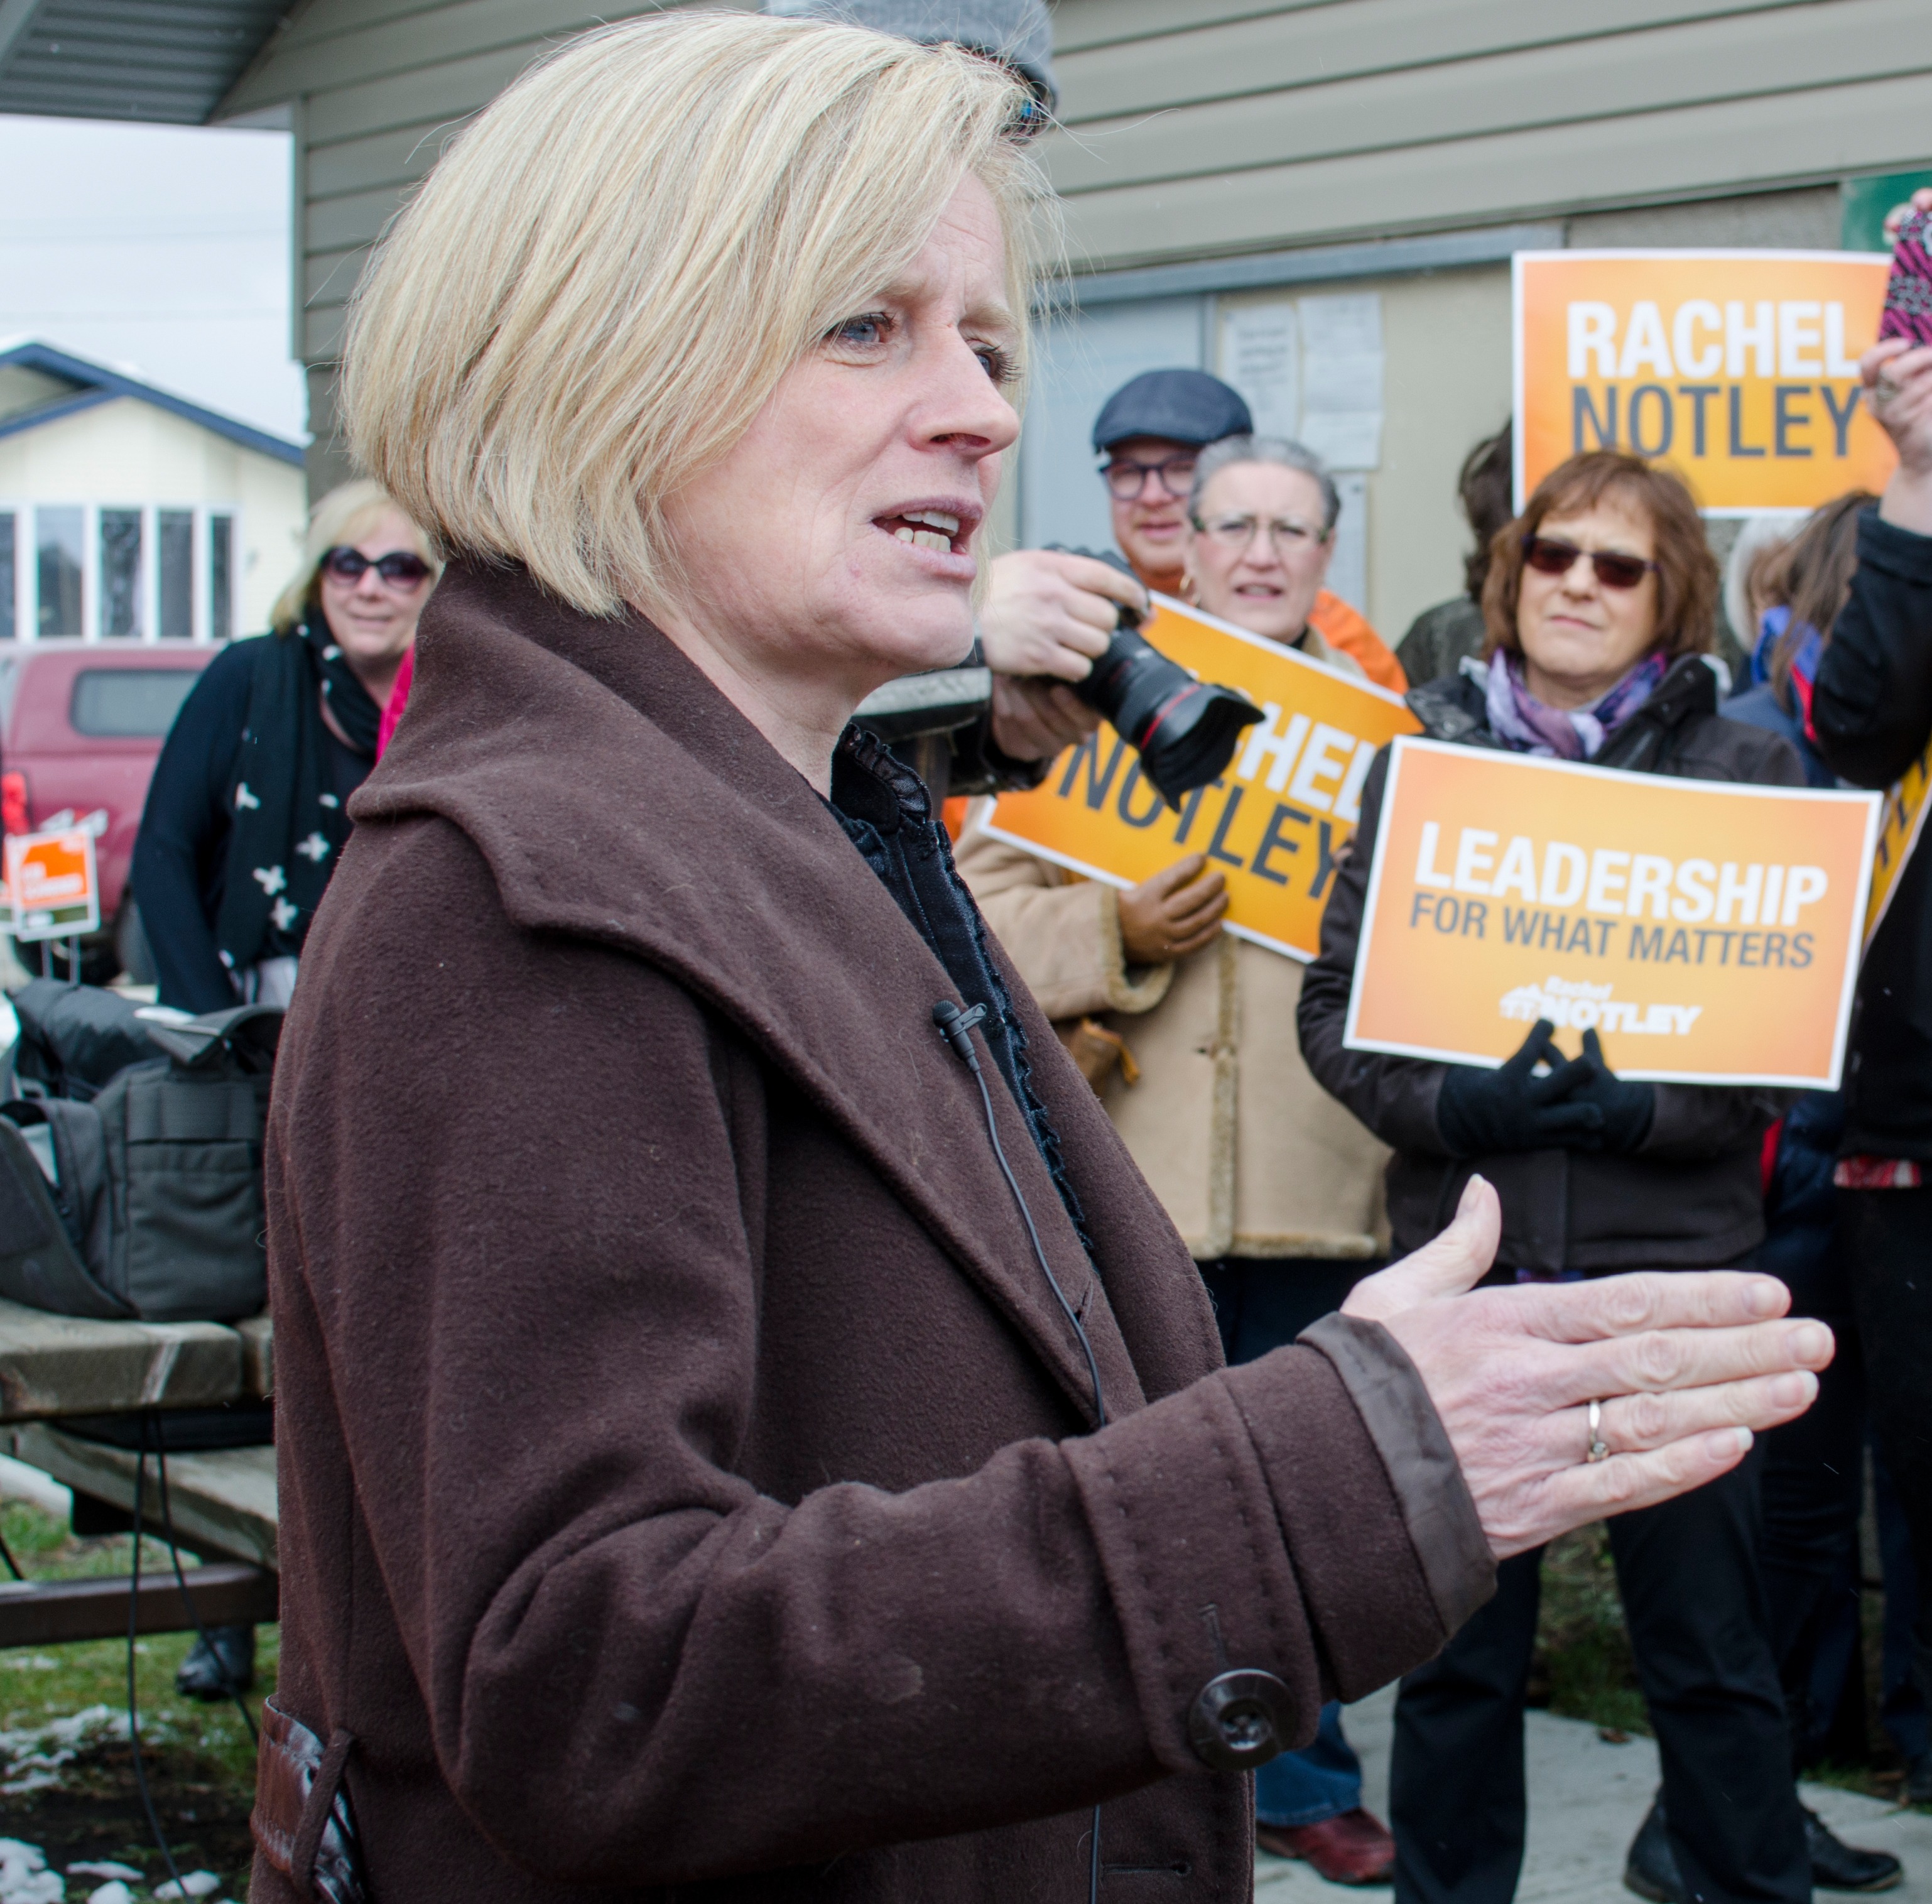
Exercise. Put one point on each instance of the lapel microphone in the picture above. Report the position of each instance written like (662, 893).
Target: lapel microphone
(955, 1027)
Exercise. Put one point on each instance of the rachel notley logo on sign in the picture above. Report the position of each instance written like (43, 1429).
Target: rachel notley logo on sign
(1577, 1003)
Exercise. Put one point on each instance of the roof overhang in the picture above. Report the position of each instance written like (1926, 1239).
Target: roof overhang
(77, 385)
(162, 62)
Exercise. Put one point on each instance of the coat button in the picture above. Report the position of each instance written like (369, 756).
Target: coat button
(1239, 1720)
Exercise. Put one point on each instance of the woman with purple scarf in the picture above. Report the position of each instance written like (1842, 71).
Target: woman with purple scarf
(1600, 611)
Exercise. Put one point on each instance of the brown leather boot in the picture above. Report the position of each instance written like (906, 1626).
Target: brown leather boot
(1354, 1849)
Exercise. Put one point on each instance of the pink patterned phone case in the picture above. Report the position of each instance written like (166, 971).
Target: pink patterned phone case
(1908, 292)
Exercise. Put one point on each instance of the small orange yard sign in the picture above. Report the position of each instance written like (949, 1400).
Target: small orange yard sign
(1740, 368)
(53, 891)
(1273, 823)
(1710, 933)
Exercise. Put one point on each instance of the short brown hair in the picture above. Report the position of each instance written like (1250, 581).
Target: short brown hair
(1484, 489)
(1688, 579)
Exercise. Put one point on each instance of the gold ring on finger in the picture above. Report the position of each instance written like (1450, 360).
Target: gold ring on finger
(1599, 1448)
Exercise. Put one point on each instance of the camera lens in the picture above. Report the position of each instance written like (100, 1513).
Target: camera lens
(1185, 731)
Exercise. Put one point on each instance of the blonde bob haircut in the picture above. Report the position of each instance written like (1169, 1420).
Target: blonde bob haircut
(608, 273)
(341, 519)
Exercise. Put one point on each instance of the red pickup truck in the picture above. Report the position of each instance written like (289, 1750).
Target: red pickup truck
(81, 727)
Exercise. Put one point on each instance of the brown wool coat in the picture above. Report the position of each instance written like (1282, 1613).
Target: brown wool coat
(687, 1483)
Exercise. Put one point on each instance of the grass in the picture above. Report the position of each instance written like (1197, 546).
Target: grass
(73, 1791)
(1583, 1667)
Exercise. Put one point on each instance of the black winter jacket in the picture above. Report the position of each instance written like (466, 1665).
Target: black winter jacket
(1690, 1196)
(1871, 710)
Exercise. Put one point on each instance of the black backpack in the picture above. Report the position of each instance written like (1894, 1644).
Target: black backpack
(138, 1193)
(74, 1037)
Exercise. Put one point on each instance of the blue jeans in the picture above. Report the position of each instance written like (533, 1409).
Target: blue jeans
(1322, 1782)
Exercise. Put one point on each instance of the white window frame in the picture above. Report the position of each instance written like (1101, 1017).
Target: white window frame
(26, 569)
(23, 587)
(144, 583)
(27, 565)
(198, 573)
(204, 570)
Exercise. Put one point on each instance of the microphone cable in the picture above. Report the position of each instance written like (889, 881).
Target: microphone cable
(956, 1027)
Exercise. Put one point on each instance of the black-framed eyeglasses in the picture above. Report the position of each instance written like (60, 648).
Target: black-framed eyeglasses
(1126, 480)
(399, 568)
(1549, 556)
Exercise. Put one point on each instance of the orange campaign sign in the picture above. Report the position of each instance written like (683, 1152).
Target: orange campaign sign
(1906, 800)
(1709, 933)
(1738, 368)
(53, 891)
(1273, 824)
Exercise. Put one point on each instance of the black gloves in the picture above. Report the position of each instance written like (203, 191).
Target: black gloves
(1581, 1104)
(1627, 1108)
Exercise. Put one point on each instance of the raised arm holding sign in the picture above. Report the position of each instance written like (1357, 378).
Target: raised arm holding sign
(1872, 712)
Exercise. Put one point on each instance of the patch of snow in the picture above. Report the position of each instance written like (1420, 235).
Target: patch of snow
(32, 1756)
(116, 1893)
(105, 1867)
(24, 1876)
(197, 1884)
(18, 1482)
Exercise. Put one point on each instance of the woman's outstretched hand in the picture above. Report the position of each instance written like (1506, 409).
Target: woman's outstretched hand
(1688, 1364)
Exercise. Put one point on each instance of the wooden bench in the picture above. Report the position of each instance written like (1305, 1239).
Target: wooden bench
(222, 1502)
(52, 1366)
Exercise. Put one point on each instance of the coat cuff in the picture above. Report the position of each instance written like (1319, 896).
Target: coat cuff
(1250, 1525)
(1434, 1500)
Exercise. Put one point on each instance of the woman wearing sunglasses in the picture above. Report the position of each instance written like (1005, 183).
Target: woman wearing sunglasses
(1599, 605)
(246, 813)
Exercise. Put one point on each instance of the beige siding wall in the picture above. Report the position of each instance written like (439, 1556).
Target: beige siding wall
(379, 86)
(1251, 127)
(1218, 129)
(1446, 337)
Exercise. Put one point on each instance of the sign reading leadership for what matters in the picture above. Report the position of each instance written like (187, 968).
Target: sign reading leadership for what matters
(1273, 823)
(1709, 933)
(1738, 368)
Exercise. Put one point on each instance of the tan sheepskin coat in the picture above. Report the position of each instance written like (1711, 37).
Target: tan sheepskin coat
(1248, 1154)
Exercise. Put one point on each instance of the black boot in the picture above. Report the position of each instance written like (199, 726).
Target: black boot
(1918, 1780)
(1836, 1865)
(221, 1664)
(1651, 1868)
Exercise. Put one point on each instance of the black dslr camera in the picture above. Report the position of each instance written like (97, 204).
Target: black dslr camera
(1185, 731)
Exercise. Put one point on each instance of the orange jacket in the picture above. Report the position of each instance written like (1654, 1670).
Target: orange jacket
(1335, 622)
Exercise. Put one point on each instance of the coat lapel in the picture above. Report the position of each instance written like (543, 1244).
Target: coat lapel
(618, 797)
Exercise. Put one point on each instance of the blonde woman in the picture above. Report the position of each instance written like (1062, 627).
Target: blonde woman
(693, 1478)
(247, 811)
